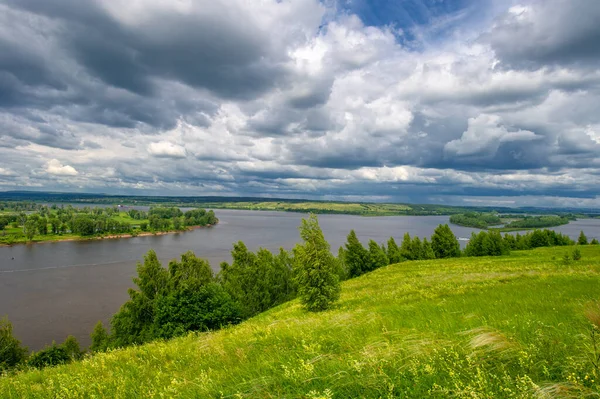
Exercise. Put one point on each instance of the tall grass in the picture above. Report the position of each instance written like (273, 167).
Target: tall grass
(504, 327)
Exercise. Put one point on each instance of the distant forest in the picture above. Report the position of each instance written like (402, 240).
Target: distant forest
(282, 204)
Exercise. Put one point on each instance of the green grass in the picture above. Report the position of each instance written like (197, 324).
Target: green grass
(507, 327)
(318, 207)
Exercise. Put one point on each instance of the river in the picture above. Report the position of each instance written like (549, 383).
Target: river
(51, 290)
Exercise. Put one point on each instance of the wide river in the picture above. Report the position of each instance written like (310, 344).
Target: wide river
(51, 290)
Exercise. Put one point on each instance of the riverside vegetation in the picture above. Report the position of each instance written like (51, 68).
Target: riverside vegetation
(462, 327)
(511, 222)
(30, 222)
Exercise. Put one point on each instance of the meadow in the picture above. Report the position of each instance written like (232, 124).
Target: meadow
(492, 327)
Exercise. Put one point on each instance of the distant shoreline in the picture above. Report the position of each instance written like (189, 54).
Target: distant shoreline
(109, 237)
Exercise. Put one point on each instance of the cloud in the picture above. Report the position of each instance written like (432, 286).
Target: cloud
(166, 150)
(302, 98)
(55, 167)
(547, 33)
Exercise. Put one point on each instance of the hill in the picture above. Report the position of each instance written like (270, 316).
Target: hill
(505, 327)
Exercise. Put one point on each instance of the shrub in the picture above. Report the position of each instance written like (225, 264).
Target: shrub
(53, 355)
(576, 254)
(11, 352)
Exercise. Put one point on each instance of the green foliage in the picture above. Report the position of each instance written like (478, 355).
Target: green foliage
(576, 254)
(71, 346)
(444, 243)
(393, 251)
(427, 250)
(487, 244)
(582, 240)
(53, 355)
(11, 351)
(377, 256)
(477, 220)
(100, 338)
(537, 222)
(29, 229)
(316, 271)
(356, 256)
(133, 323)
(190, 308)
(258, 281)
(594, 241)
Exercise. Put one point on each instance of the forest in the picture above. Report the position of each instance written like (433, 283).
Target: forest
(33, 222)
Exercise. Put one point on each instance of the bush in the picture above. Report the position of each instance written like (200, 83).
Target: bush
(50, 356)
(11, 352)
(576, 254)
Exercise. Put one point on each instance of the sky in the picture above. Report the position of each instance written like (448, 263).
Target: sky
(462, 102)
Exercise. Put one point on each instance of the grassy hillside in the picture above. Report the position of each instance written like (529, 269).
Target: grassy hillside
(509, 327)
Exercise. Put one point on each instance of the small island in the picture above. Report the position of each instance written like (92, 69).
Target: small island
(507, 223)
(22, 222)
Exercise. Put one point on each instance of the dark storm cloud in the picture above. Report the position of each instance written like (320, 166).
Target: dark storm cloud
(552, 32)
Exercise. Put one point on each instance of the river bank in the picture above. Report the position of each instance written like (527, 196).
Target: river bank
(70, 237)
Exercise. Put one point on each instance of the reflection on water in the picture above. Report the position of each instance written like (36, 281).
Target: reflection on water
(51, 290)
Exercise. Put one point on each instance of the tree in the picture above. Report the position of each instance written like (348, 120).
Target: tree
(377, 256)
(416, 248)
(71, 346)
(133, 323)
(11, 351)
(29, 229)
(406, 248)
(42, 226)
(315, 268)
(201, 309)
(100, 338)
(356, 256)
(444, 243)
(594, 241)
(393, 251)
(582, 240)
(427, 250)
(177, 223)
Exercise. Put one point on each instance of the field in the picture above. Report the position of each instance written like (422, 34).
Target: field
(506, 327)
(365, 209)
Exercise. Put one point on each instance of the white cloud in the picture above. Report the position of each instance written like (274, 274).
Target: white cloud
(55, 167)
(166, 150)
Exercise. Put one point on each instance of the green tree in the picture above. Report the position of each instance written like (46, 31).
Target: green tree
(444, 243)
(582, 240)
(11, 351)
(594, 241)
(30, 228)
(393, 251)
(53, 355)
(427, 250)
(417, 249)
(576, 254)
(406, 248)
(177, 223)
(71, 346)
(315, 268)
(133, 323)
(42, 225)
(377, 256)
(100, 338)
(202, 308)
(356, 256)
